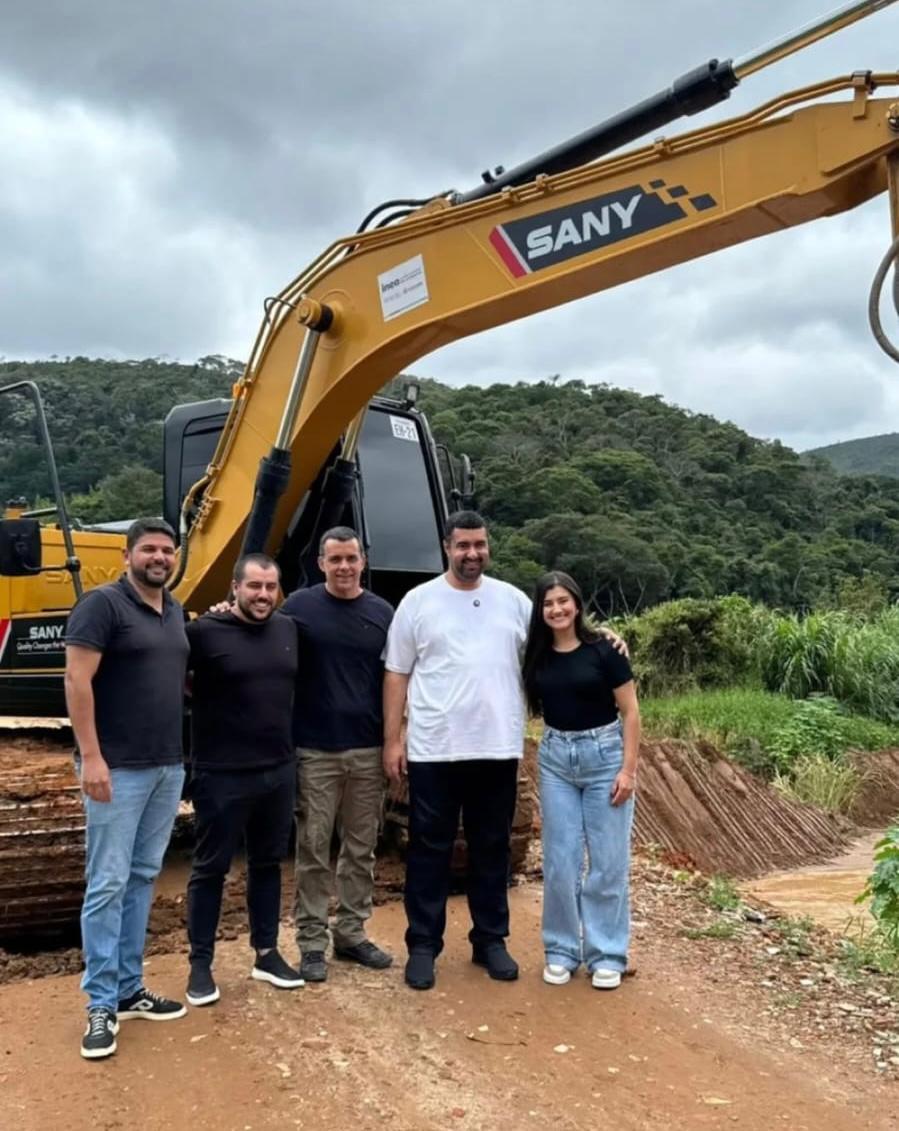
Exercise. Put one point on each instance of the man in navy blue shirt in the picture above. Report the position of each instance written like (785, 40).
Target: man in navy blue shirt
(126, 656)
(338, 730)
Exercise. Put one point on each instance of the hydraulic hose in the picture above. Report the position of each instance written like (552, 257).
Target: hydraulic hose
(880, 335)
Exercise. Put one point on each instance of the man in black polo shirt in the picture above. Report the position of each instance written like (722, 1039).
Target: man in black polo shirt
(126, 654)
(338, 728)
(244, 665)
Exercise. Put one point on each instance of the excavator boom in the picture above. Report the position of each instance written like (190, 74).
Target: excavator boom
(399, 292)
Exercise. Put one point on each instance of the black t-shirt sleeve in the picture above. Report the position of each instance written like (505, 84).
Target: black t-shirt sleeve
(617, 667)
(92, 622)
(194, 633)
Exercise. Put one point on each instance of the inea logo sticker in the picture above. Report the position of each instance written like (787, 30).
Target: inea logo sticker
(552, 237)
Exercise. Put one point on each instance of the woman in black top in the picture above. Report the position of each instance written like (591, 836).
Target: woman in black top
(588, 763)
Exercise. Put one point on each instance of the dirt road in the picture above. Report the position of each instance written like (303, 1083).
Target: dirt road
(679, 1047)
(825, 892)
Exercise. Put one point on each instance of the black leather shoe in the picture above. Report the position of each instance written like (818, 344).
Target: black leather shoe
(420, 970)
(499, 963)
(313, 967)
(366, 954)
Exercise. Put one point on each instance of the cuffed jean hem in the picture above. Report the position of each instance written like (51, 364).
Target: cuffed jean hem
(567, 960)
(608, 964)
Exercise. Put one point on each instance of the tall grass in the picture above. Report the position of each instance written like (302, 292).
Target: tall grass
(830, 653)
(831, 784)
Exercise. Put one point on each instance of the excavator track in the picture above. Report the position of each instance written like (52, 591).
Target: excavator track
(41, 834)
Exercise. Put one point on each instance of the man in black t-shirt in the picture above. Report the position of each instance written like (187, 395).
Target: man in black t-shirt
(126, 655)
(244, 665)
(337, 730)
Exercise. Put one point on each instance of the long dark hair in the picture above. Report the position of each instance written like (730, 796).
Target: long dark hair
(540, 635)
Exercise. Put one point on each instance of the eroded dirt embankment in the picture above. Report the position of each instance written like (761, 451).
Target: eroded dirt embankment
(713, 815)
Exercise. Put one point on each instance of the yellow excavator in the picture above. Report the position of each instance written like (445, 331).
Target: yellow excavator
(302, 444)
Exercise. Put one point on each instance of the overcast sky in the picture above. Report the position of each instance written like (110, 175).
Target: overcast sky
(164, 166)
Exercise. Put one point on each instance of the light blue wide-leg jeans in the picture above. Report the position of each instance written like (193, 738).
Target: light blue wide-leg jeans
(586, 849)
(126, 841)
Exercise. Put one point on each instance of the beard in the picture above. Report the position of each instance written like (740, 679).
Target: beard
(468, 571)
(255, 612)
(157, 579)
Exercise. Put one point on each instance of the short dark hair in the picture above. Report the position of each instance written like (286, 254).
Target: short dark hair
(462, 520)
(338, 534)
(142, 526)
(263, 560)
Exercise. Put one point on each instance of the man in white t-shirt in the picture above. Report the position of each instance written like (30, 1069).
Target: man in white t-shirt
(453, 652)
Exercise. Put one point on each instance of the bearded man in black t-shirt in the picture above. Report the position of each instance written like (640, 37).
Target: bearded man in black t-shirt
(244, 664)
(337, 730)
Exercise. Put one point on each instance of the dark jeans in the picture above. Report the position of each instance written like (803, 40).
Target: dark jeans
(484, 792)
(256, 805)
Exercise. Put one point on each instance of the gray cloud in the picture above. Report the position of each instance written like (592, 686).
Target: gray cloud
(166, 166)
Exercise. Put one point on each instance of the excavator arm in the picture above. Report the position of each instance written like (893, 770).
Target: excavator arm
(392, 295)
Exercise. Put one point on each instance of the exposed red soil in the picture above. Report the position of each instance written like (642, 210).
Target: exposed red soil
(877, 802)
(750, 1025)
(697, 1040)
(711, 814)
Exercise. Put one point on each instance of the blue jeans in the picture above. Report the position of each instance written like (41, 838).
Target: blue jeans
(126, 841)
(586, 913)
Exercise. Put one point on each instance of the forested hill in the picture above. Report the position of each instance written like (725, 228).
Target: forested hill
(872, 455)
(642, 501)
(105, 421)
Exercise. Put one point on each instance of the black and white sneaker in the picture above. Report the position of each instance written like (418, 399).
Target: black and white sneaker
(99, 1036)
(201, 987)
(272, 968)
(145, 1004)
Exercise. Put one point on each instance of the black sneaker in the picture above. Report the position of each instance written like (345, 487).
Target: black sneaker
(201, 987)
(313, 968)
(99, 1036)
(366, 954)
(500, 964)
(145, 1004)
(419, 972)
(272, 968)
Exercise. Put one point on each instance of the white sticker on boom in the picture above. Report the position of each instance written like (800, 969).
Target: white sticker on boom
(403, 288)
(404, 429)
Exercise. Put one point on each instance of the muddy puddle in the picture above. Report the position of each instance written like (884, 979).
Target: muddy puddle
(825, 893)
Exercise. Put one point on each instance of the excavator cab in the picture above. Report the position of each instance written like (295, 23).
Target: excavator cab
(403, 488)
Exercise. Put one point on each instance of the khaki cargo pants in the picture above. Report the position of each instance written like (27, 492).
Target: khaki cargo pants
(342, 789)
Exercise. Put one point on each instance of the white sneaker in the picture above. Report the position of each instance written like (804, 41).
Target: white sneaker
(606, 979)
(556, 975)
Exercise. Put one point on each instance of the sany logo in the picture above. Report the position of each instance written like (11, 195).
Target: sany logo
(45, 632)
(589, 225)
(552, 237)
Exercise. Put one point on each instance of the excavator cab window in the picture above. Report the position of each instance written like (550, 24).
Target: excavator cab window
(20, 547)
(398, 503)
